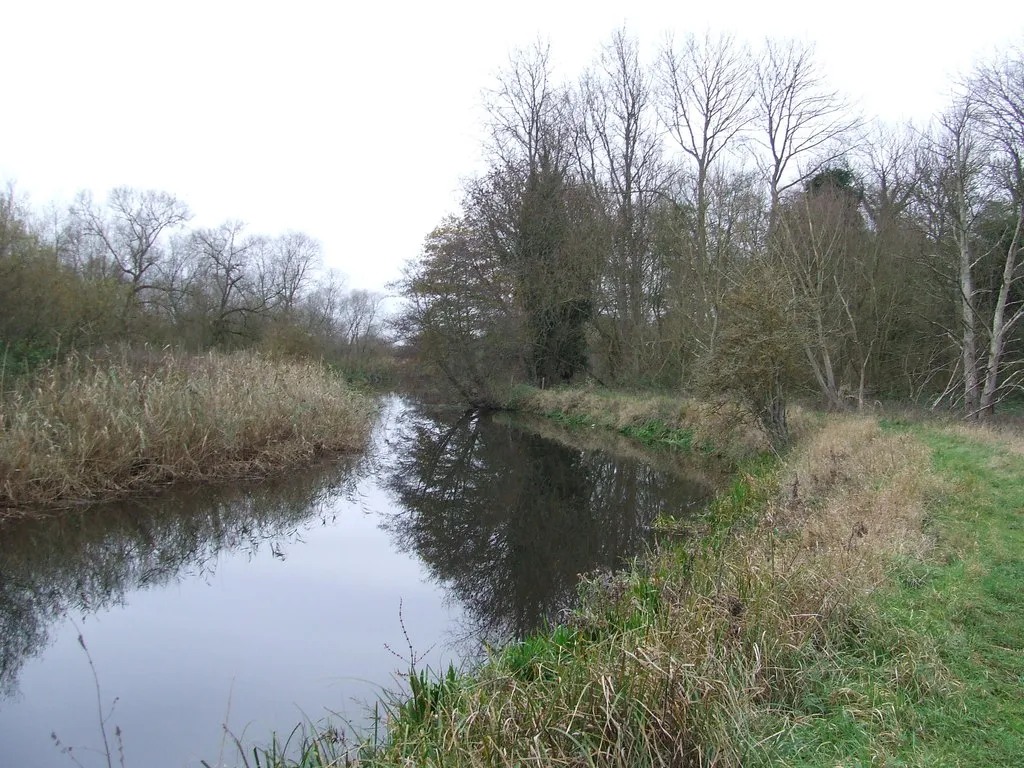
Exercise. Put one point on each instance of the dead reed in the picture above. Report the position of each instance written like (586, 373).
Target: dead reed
(95, 427)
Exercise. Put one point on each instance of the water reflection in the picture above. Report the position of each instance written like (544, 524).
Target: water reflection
(286, 593)
(507, 520)
(95, 559)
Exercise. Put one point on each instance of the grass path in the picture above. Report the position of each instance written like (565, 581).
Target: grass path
(970, 599)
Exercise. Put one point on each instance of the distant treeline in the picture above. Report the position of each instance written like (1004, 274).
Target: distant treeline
(131, 269)
(720, 219)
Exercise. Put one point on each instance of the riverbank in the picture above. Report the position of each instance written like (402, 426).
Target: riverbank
(855, 601)
(90, 429)
(654, 420)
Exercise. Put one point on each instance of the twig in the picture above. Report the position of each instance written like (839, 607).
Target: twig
(99, 702)
(413, 656)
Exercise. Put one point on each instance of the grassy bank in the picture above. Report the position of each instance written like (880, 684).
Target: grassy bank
(655, 420)
(856, 601)
(93, 428)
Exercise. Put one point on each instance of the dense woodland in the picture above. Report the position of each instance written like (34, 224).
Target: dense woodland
(130, 269)
(720, 220)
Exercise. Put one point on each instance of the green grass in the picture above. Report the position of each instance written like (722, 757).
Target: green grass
(969, 599)
(654, 432)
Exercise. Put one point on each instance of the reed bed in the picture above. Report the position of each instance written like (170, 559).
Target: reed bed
(95, 427)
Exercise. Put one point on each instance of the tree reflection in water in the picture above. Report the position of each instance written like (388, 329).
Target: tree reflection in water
(87, 561)
(505, 520)
(508, 520)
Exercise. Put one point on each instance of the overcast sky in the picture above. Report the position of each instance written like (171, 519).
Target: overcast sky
(356, 122)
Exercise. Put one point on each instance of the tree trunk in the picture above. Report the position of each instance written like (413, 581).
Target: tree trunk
(825, 376)
(772, 417)
(999, 325)
(968, 346)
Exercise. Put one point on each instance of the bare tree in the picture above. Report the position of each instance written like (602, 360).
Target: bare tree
(527, 113)
(997, 88)
(225, 259)
(953, 186)
(295, 256)
(705, 95)
(129, 231)
(619, 156)
(359, 319)
(887, 157)
(322, 304)
(896, 298)
(824, 255)
(803, 125)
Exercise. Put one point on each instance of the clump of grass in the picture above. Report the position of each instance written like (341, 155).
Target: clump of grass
(91, 428)
(1006, 436)
(853, 487)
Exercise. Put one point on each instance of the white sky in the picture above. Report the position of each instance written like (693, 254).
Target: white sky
(356, 123)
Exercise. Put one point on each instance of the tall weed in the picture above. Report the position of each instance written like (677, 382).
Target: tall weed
(94, 427)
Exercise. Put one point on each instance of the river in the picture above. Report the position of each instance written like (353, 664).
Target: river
(184, 621)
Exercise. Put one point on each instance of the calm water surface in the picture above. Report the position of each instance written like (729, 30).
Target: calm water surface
(261, 606)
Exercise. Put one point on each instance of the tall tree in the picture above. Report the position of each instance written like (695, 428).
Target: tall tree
(706, 92)
(997, 87)
(822, 249)
(803, 126)
(954, 189)
(293, 258)
(224, 257)
(620, 158)
(532, 209)
(129, 232)
(705, 95)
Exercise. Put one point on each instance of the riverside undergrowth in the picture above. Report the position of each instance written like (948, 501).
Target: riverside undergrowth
(90, 428)
(853, 602)
(652, 419)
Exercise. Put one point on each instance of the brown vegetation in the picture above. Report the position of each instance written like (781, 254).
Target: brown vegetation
(91, 428)
(851, 491)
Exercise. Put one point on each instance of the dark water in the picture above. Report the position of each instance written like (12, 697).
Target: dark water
(263, 605)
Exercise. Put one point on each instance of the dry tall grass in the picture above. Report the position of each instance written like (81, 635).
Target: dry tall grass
(851, 488)
(93, 428)
(716, 651)
(1009, 437)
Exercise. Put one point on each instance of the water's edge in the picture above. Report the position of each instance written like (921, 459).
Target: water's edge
(260, 604)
